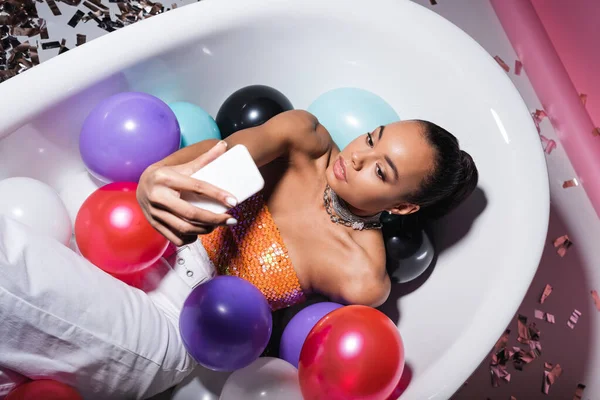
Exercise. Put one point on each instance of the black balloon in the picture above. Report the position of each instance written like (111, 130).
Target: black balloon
(249, 107)
(409, 250)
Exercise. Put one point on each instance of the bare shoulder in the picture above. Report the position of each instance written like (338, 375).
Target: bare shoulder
(358, 275)
(303, 132)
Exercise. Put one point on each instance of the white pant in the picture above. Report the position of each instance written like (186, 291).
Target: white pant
(64, 319)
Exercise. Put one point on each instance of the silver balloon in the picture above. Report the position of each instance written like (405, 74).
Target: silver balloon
(202, 384)
(265, 379)
(410, 266)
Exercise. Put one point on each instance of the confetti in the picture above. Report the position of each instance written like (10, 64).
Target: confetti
(583, 98)
(547, 144)
(53, 7)
(562, 244)
(550, 377)
(81, 39)
(174, 6)
(579, 392)
(522, 328)
(570, 325)
(539, 314)
(433, 2)
(501, 62)
(501, 343)
(550, 318)
(75, 18)
(548, 365)
(596, 132)
(573, 318)
(596, 299)
(518, 67)
(547, 291)
(50, 45)
(540, 115)
(63, 46)
(570, 183)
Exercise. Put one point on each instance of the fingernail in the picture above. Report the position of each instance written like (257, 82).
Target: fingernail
(223, 143)
(231, 221)
(231, 201)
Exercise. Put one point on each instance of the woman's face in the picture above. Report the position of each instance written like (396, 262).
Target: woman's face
(377, 170)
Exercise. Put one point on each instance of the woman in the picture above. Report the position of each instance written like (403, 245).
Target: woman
(313, 229)
(320, 205)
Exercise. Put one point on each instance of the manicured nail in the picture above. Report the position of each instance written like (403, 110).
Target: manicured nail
(231, 201)
(231, 221)
(223, 143)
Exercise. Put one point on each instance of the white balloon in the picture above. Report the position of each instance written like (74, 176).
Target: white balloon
(202, 384)
(76, 190)
(265, 379)
(36, 205)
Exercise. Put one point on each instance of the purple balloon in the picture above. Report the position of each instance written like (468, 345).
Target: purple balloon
(125, 134)
(299, 327)
(225, 323)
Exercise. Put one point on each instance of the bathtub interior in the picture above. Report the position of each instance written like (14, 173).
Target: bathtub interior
(436, 74)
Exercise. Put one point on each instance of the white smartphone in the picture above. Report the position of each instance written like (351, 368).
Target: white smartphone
(233, 171)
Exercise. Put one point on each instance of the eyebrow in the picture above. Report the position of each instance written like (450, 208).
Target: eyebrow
(392, 166)
(381, 131)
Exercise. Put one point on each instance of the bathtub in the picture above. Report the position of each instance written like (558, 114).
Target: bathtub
(420, 63)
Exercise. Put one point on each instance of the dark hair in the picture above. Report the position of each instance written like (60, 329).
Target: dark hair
(453, 177)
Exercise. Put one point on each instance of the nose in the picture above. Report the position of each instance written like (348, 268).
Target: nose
(359, 158)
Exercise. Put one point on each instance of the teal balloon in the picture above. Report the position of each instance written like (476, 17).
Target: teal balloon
(195, 124)
(348, 113)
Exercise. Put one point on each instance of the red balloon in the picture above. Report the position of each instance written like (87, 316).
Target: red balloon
(44, 389)
(112, 232)
(353, 353)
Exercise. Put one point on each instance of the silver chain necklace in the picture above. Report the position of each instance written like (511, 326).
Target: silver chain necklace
(344, 216)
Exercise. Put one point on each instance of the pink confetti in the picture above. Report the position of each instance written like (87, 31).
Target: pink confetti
(547, 291)
(570, 325)
(596, 299)
(540, 115)
(562, 244)
(550, 377)
(502, 63)
(583, 98)
(576, 311)
(550, 318)
(539, 314)
(579, 392)
(518, 67)
(547, 144)
(570, 183)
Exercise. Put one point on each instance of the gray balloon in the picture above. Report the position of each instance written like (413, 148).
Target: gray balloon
(201, 384)
(265, 379)
(405, 269)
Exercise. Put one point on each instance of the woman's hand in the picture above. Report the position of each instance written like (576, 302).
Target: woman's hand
(159, 195)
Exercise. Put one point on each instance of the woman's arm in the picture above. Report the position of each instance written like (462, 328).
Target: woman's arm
(292, 130)
(161, 184)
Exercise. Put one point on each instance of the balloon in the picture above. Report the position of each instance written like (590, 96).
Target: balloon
(408, 257)
(298, 328)
(196, 124)
(349, 112)
(36, 205)
(201, 384)
(265, 379)
(225, 323)
(43, 389)
(250, 106)
(354, 352)
(125, 134)
(79, 187)
(112, 232)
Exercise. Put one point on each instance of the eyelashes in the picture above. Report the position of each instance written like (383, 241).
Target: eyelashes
(378, 170)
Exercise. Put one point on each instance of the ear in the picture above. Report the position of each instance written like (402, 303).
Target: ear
(404, 209)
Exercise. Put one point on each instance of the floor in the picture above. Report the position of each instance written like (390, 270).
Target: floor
(572, 276)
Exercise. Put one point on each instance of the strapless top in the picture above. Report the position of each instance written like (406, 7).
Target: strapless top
(254, 250)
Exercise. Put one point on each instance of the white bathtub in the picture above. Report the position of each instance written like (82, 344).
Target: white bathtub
(424, 66)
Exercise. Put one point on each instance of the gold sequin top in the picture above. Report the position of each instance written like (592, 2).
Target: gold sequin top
(254, 250)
